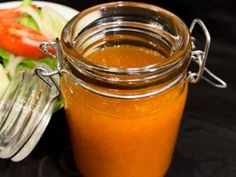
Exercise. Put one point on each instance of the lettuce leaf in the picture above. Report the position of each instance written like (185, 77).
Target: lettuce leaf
(4, 57)
(31, 64)
(29, 22)
(27, 2)
(58, 104)
(4, 80)
(52, 63)
(26, 65)
(53, 22)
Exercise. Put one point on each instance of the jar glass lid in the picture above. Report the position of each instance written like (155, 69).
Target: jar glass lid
(26, 108)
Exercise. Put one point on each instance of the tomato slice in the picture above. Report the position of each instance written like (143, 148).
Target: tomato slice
(10, 14)
(21, 40)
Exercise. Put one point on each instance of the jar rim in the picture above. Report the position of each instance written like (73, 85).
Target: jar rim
(178, 56)
(141, 81)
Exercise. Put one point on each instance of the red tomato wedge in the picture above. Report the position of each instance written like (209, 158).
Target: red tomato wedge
(10, 14)
(20, 40)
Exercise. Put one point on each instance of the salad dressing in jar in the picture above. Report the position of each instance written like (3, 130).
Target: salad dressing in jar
(123, 137)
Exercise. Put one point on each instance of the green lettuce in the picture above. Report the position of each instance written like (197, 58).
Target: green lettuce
(31, 63)
(4, 57)
(27, 2)
(29, 22)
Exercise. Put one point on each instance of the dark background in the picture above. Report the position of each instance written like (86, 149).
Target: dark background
(206, 145)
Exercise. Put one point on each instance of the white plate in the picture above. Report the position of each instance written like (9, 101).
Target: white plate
(65, 11)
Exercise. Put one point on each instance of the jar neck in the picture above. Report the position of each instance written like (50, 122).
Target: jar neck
(126, 23)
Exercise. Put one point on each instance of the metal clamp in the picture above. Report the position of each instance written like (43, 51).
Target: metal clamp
(199, 57)
(43, 72)
(48, 77)
(44, 47)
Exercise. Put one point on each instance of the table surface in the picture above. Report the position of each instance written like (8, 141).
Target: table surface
(206, 146)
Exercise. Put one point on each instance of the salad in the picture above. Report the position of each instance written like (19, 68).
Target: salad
(21, 31)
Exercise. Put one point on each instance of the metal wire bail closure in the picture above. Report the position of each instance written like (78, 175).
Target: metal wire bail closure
(43, 72)
(199, 57)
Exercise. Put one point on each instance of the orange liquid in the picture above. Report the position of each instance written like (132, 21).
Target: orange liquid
(123, 138)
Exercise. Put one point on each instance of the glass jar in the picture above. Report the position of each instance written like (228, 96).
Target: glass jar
(124, 82)
(124, 79)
